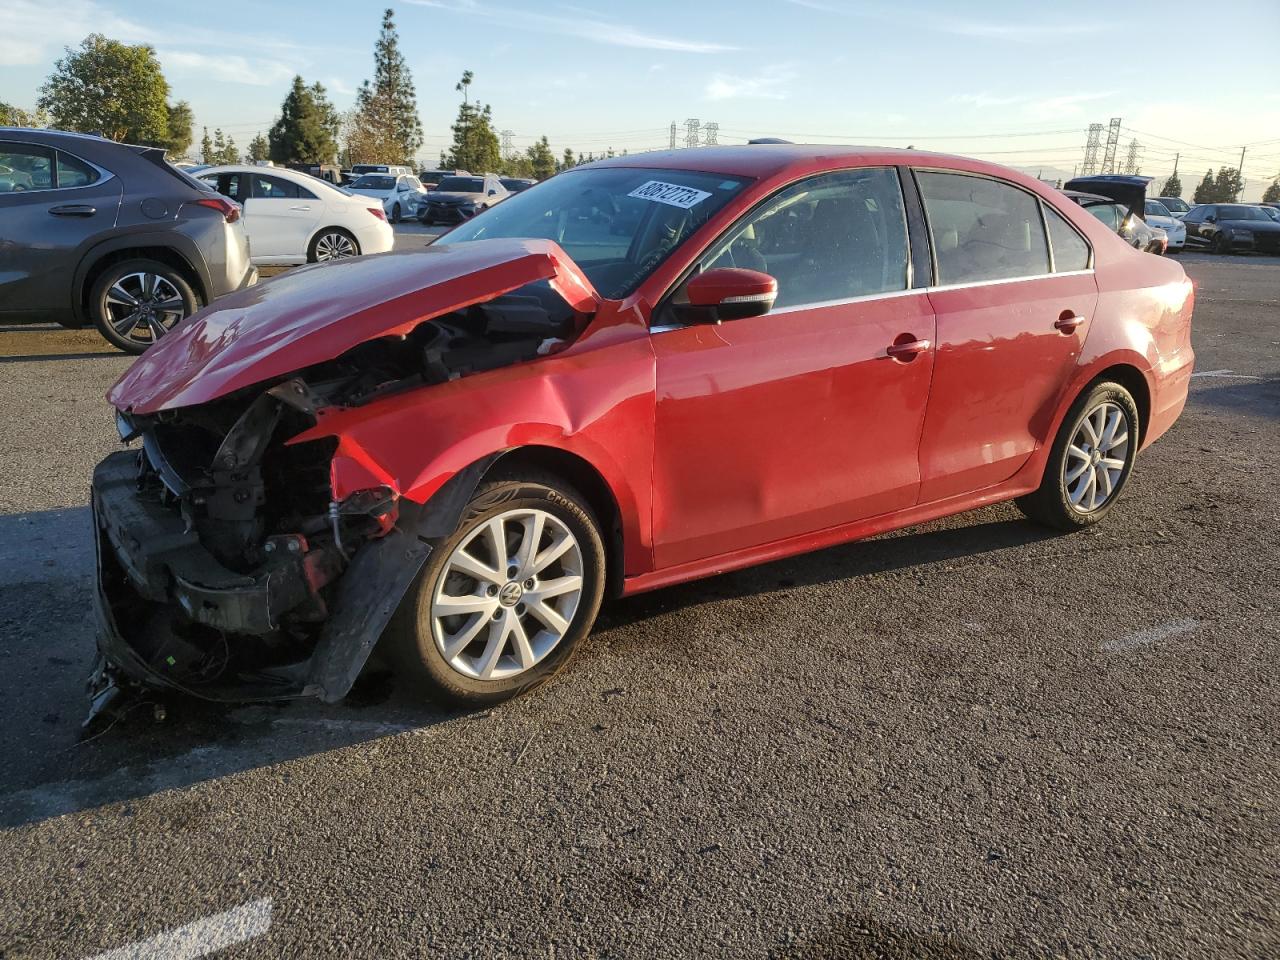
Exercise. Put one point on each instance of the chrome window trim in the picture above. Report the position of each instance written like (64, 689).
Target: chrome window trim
(103, 175)
(888, 295)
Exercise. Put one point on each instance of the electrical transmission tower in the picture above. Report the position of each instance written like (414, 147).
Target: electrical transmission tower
(711, 134)
(1091, 145)
(1113, 140)
(506, 142)
(673, 134)
(1133, 157)
(691, 132)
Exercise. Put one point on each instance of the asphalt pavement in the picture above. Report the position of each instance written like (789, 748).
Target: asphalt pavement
(969, 739)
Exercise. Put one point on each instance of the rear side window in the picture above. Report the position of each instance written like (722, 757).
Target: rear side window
(1108, 213)
(1070, 250)
(273, 188)
(25, 166)
(982, 229)
(832, 237)
(74, 173)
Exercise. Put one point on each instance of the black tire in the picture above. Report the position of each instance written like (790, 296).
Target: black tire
(395, 213)
(1221, 245)
(108, 316)
(410, 643)
(331, 237)
(1051, 504)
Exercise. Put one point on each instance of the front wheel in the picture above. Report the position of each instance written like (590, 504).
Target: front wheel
(1221, 245)
(395, 213)
(502, 603)
(1090, 460)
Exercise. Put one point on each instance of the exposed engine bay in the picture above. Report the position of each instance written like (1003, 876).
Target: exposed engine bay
(227, 569)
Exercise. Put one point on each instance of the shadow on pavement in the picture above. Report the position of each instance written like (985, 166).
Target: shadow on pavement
(46, 583)
(1259, 398)
(38, 357)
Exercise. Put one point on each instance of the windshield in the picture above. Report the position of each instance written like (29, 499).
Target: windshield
(368, 168)
(1157, 209)
(461, 185)
(618, 224)
(1177, 204)
(373, 182)
(1239, 212)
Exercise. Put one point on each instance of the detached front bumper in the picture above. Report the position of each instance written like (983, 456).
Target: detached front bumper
(446, 213)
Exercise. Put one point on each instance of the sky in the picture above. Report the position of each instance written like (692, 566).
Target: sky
(1013, 82)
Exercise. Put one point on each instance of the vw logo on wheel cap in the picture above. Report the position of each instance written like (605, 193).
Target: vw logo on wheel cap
(510, 594)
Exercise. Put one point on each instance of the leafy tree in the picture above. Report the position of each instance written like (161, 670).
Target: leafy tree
(178, 125)
(385, 116)
(1172, 187)
(1207, 191)
(1272, 193)
(259, 149)
(542, 161)
(568, 160)
(111, 88)
(307, 129)
(11, 116)
(475, 143)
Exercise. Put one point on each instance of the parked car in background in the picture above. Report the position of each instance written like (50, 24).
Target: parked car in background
(1229, 227)
(1119, 218)
(293, 217)
(330, 173)
(1130, 193)
(1176, 206)
(1271, 211)
(431, 178)
(401, 195)
(456, 199)
(360, 169)
(517, 184)
(93, 231)
(1159, 217)
(650, 369)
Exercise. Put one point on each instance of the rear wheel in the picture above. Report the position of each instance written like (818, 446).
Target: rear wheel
(502, 604)
(136, 302)
(333, 243)
(1090, 460)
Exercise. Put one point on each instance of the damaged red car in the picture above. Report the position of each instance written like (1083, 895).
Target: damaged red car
(642, 371)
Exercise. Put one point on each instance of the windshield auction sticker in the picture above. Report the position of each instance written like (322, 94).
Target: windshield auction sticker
(671, 194)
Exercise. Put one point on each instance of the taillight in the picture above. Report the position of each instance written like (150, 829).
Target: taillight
(229, 209)
(378, 212)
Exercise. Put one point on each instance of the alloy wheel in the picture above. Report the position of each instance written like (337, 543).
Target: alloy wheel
(142, 307)
(335, 246)
(1096, 458)
(507, 594)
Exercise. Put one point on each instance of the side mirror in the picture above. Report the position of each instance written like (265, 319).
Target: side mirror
(493, 193)
(1210, 218)
(728, 293)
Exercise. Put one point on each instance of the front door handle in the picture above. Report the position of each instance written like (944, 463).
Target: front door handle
(300, 207)
(73, 210)
(907, 349)
(1068, 322)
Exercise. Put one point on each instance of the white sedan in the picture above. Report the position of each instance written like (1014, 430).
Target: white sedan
(400, 195)
(293, 217)
(1158, 215)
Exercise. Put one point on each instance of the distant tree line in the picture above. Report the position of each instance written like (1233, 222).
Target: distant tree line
(1222, 187)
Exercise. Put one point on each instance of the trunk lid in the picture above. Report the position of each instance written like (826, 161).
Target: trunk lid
(313, 314)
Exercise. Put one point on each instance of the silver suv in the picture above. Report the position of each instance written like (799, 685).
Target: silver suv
(93, 231)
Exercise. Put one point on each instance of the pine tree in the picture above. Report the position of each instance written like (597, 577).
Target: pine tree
(1205, 193)
(307, 127)
(1228, 185)
(220, 150)
(1272, 193)
(206, 146)
(385, 116)
(259, 149)
(542, 161)
(475, 143)
(1172, 187)
(568, 159)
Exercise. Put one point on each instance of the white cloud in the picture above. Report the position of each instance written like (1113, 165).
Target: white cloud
(769, 84)
(228, 68)
(1017, 32)
(32, 34)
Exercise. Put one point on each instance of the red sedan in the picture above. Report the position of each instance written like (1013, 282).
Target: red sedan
(642, 371)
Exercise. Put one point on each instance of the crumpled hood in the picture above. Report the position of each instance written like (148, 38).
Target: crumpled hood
(313, 314)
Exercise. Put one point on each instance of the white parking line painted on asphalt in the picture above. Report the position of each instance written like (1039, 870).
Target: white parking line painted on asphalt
(1148, 638)
(1226, 374)
(200, 938)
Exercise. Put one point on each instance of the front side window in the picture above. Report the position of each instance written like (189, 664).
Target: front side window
(1070, 250)
(832, 237)
(982, 229)
(273, 188)
(25, 166)
(618, 224)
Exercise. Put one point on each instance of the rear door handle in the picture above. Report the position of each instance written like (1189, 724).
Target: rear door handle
(907, 350)
(73, 210)
(1068, 322)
